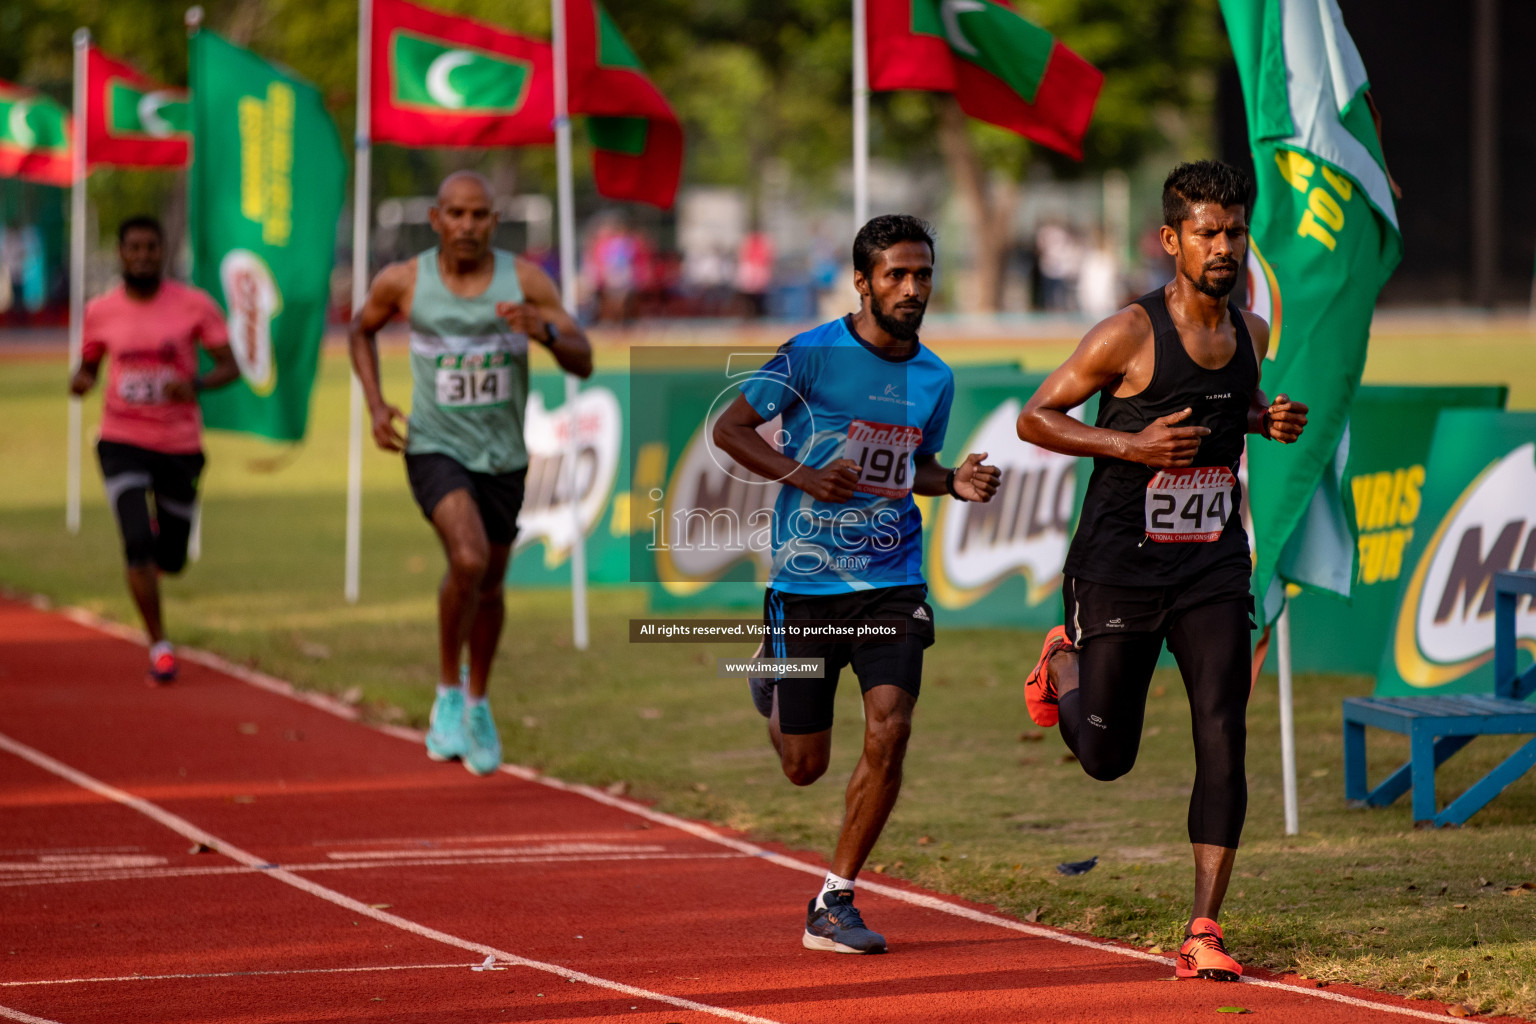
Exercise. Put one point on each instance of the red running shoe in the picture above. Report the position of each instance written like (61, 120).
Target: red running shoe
(1204, 955)
(162, 663)
(1039, 691)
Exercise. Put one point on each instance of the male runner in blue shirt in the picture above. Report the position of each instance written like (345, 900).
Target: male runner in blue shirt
(864, 407)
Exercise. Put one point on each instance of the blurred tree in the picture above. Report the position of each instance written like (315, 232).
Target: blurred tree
(754, 82)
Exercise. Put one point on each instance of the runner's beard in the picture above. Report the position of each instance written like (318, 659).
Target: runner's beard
(1216, 289)
(900, 324)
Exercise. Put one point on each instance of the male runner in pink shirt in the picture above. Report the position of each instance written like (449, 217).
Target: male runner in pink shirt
(151, 426)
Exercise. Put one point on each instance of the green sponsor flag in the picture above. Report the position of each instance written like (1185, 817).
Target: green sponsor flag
(267, 180)
(1324, 240)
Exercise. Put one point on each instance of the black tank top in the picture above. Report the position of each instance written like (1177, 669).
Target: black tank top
(1147, 528)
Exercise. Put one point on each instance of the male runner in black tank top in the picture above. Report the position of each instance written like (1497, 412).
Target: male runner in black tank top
(1160, 553)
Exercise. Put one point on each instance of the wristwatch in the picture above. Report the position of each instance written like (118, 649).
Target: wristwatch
(949, 485)
(552, 335)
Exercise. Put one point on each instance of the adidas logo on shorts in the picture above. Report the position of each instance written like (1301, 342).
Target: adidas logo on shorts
(920, 613)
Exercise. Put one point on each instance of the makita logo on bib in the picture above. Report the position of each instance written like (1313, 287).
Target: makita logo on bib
(886, 435)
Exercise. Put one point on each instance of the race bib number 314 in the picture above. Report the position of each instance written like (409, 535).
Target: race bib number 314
(1190, 505)
(471, 381)
(884, 454)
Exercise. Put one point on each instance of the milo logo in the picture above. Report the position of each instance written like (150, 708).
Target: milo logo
(1023, 530)
(1445, 626)
(714, 514)
(553, 482)
(253, 301)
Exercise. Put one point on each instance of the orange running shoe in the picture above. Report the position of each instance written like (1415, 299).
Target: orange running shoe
(1039, 691)
(1204, 955)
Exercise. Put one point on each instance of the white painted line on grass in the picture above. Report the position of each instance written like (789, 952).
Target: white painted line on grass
(706, 832)
(185, 828)
(232, 974)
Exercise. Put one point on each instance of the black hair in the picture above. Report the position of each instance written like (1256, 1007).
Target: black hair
(885, 231)
(142, 220)
(1204, 181)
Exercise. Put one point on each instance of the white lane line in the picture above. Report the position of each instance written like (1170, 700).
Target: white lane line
(278, 686)
(231, 974)
(185, 828)
(25, 1018)
(442, 842)
(113, 876)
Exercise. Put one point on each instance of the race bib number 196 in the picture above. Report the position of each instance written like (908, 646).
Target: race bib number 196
(1190, 505)
(469, 381)
(884, 454)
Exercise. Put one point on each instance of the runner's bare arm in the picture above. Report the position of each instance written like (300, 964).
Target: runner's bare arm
(974, 480)
(84, 378)
(541, 309)
(1101, 360)
(385, 300)
(1281, 420)
(736, 434)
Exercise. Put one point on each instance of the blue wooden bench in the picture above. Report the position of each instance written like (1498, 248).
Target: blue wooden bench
(1438, 727)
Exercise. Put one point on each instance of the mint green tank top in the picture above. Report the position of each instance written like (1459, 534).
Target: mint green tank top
(469, 371)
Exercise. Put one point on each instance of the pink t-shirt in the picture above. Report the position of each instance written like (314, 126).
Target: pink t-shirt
(150, 344)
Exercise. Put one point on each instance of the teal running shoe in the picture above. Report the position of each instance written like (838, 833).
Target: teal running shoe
(446, 737)
(482, 754)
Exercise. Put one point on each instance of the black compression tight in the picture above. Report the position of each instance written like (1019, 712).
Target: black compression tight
(1101, 720)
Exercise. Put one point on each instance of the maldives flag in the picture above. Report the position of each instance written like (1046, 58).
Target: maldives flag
(636, 138)
(34, 137)
(131, 120)
(446, 80)
(1001, 68)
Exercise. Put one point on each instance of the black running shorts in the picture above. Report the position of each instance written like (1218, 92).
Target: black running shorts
(499, 496)
(131, 475)
(1101, 609)
(805, 705)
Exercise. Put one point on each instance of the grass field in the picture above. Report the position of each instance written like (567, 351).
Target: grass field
(991, 804)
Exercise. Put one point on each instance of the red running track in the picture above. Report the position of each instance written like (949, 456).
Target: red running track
(343, 876)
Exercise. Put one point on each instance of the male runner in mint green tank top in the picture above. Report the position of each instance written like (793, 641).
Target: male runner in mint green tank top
(472, 310)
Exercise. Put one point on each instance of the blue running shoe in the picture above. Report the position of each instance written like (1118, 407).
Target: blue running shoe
(446, 740)
(483, 755)
(762, 688)
(839, 928)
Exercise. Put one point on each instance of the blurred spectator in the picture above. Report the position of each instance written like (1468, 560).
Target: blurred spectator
(1060, 261)
(708, 274)
(754, 272)
(1098, 282)
(1156, 264)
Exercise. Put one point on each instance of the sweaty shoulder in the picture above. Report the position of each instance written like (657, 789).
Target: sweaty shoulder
(1115, 341)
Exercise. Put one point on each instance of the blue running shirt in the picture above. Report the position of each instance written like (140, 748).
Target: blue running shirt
(840, 398)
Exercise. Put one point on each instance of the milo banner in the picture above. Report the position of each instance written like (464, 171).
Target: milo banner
(545, 527)
(702, 522)
(1390, 432)
(265, 193)
(1478, 517)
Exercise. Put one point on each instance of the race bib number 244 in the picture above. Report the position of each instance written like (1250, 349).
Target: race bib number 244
(1189, 505)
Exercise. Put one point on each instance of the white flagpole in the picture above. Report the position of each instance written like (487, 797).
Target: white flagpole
(361, 209)
(860, 113)
(76, 276)
(1287, 721)
(568, 298)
